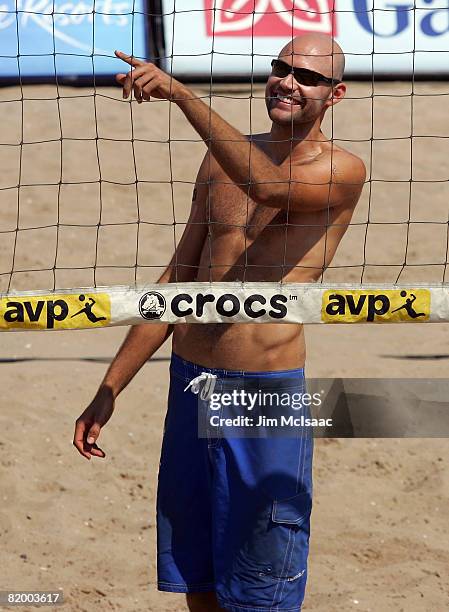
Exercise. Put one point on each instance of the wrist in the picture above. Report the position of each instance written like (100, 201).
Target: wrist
(181, 93)
(109, 388)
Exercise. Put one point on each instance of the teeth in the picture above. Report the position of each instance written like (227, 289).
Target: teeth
(286, 99)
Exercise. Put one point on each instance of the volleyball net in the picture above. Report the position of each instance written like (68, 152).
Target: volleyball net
(95, 191)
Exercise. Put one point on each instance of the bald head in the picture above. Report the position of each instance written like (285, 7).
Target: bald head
(317, 52)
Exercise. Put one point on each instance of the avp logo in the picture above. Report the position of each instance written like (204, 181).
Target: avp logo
(70, 311)
(376, 306)
(152, 305)
(269, 17)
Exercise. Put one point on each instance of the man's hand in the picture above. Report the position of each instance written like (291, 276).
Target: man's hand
(90, 422)
(147, 80)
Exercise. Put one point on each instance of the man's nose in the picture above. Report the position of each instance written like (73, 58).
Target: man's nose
(288, 83)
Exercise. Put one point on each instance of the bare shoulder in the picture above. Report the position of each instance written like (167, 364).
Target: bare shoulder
(333, 175)
(345, 166)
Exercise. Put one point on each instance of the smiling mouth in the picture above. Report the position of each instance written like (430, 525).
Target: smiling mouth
(288, 100)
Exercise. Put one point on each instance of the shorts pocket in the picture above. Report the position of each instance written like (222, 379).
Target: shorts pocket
(278, 544)
(291, 511)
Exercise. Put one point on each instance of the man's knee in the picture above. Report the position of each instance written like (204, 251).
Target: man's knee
(203, 602)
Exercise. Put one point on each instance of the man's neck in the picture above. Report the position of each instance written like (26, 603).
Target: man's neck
(295, 140)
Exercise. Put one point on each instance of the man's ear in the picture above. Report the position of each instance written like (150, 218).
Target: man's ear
(338, 94)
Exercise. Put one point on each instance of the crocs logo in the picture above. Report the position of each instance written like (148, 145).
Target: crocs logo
(229, 305)
(152, 305)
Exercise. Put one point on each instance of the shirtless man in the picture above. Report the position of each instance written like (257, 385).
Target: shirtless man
(234, 514)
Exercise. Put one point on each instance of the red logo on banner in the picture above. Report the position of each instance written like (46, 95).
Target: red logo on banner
(269, 17)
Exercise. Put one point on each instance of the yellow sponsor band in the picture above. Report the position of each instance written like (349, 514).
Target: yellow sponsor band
(64, 311)
(375, 306)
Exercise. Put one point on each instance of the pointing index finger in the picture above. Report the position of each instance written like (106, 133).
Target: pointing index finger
(129, 59)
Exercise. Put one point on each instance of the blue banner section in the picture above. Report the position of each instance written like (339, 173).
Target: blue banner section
(41, 38)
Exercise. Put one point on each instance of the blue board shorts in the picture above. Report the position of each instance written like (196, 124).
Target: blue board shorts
(233, 513)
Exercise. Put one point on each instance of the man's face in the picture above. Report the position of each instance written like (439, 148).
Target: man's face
(297, 100)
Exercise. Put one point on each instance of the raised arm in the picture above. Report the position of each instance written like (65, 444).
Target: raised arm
(333, 179)
(143, 340)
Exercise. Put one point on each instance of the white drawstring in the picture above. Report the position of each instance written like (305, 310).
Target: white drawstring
(208, 386)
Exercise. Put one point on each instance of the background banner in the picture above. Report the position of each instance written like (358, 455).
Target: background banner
(237, 38)
(39, 38)
(228, 38)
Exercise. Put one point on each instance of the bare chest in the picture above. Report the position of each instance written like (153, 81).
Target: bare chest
(230, 209)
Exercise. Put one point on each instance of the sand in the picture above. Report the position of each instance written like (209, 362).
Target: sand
(381, 506)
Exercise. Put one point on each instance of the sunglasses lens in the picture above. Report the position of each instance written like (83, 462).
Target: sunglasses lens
(306, 77)
(280, 69)
(309, 79)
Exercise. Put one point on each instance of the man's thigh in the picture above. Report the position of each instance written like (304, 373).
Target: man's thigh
(184, 505)
(262, 492)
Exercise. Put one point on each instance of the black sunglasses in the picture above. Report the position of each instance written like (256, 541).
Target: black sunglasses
(310, 78)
